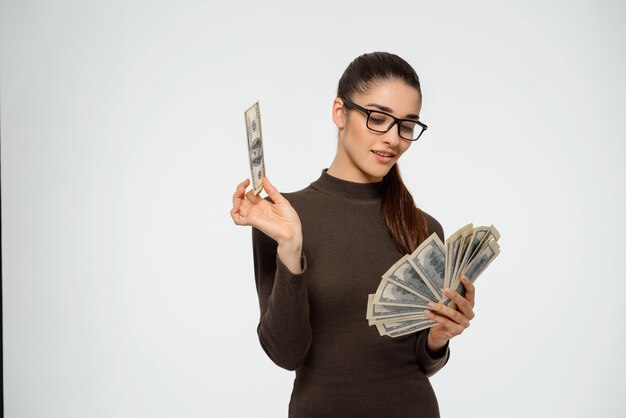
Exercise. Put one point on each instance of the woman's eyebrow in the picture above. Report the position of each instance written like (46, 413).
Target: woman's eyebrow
(388, 110)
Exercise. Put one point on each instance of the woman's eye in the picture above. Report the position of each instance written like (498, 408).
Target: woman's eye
(407, 127)
(377, 121)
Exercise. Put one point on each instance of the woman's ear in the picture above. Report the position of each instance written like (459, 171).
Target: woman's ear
(339, 113)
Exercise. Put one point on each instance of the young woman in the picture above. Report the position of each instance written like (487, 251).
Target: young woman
(320, 251)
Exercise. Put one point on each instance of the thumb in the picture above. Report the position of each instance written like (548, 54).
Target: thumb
(271, 191)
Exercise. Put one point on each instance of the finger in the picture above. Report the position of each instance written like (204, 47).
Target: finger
(461, 303)
(241, 187)
(452, 314)
(237, 199)
(470, 290)
(272, 192)
(239, 192)
(254, 198)
(447, 323)
(238, 219)
(248, 213)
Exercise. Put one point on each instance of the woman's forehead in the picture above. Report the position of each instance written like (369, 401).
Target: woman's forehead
(392, 96)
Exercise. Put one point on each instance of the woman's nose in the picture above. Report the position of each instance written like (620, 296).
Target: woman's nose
(392, 136)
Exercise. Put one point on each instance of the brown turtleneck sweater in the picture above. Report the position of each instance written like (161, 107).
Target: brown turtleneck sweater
(314, 322)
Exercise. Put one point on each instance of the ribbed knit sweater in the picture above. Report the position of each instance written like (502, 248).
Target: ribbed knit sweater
(314, 322)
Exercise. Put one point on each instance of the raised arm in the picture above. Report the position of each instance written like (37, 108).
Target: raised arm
(280, 270)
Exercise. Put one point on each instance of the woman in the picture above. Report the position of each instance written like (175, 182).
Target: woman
(320, 251)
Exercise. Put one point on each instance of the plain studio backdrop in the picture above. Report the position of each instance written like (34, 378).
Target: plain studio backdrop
(129, 292)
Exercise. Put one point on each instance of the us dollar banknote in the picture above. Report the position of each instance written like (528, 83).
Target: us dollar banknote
(429, 260)
(405, 275)
(389, 293)
(255, 146)
(452, 244)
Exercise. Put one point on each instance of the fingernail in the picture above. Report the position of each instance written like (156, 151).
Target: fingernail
(447, 291)
(432, 304)
(427, 312)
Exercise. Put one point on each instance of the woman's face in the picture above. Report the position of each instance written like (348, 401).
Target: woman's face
(357, 158)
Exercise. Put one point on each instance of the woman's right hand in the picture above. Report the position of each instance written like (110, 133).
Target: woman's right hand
(278, 220)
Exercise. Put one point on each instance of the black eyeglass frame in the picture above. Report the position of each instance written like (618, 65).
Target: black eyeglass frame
(396, 121)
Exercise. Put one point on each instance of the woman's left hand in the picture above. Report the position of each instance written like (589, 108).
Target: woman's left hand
(452, 322)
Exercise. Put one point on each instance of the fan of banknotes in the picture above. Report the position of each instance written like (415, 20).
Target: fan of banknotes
(397, 307)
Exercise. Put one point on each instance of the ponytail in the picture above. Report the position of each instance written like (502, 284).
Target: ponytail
(405, 222)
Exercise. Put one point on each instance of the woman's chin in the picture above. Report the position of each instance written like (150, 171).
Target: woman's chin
(377, 174)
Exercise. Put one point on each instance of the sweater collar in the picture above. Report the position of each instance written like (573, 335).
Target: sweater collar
(348, 189)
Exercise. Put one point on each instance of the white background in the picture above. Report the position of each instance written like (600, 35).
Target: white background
(129, 292)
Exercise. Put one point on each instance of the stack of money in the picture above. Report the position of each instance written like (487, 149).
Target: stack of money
(397, 307)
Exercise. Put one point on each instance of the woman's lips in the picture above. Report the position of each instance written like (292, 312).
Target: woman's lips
(381, 158)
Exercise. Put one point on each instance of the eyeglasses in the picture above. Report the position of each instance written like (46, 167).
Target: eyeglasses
(382, 122)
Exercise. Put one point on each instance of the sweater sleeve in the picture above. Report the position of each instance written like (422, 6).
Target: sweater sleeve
(284, 328)
(429, 362)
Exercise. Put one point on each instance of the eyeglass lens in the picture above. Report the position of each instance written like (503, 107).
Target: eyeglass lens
(380, 122)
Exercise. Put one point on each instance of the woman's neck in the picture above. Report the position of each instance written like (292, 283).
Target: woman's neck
(346, 170)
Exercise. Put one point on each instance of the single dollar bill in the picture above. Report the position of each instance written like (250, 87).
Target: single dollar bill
(429, 260)
(403, 274)
(452, 244)
(255, 146)
(389, 293)
(459, 253)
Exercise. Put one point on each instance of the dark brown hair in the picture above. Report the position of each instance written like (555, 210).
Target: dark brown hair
(406, 223)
